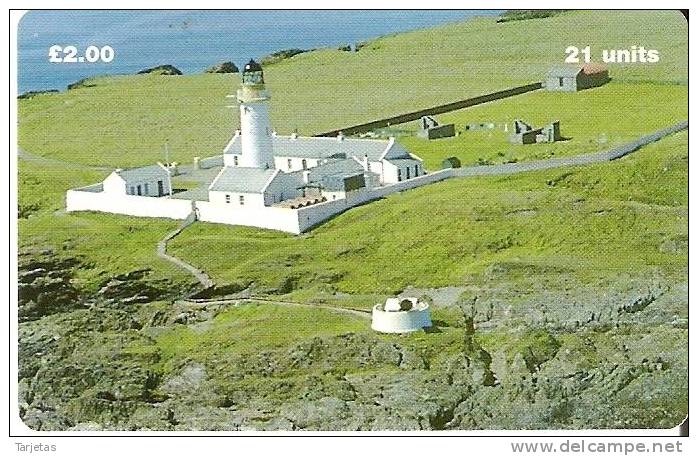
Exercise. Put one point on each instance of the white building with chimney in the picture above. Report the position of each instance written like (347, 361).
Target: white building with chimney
(299, 167)
(288, 183)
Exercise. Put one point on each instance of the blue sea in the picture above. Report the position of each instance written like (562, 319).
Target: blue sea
(195, 40)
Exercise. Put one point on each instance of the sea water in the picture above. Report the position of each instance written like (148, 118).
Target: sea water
(194, 40)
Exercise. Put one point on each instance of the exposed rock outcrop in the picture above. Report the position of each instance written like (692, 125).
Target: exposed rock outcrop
(225, 67)
(283, 54)
(166, 70)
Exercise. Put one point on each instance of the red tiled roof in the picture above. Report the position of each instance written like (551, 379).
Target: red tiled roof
(594, 68)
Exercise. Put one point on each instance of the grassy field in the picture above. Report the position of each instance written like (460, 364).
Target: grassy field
(108, 244)
(256, 327)
(544, 250)
(591, 222)
(125, 121)
(450, 231)
(591, 121)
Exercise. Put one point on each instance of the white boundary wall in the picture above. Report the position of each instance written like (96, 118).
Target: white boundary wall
(313, 215)
(140, 206)
(273, 218)
(293, 221)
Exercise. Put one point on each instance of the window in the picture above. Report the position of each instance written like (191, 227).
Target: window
(242, 200)
(407, 175)
(289, 163)
(416, 170)
(161, 189)
(305, 164)
(227, 199)
(235, 160)
(133, 191)
(561, 81)
(138, 189)
(399, 174)
(146, 189)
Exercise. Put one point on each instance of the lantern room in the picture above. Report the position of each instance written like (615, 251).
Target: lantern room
(252, 74)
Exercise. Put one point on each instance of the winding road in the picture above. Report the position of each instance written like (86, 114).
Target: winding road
(576, 160)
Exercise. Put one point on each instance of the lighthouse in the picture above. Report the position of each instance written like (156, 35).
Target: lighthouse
(255, 127)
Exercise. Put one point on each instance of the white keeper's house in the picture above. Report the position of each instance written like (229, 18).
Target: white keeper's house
(288, 183)
(262, 168)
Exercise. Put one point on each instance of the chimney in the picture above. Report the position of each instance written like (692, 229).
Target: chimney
(294, 135)
(340, 136)
(365, 162)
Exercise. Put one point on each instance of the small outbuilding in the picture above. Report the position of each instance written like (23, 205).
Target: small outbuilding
(151, 180)
(550, 133)
(526, 134)
(401, 315)
(576, 78)
(450, 162)
(429, 128)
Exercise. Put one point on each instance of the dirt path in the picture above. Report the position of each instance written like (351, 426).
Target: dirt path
(345, 310)
(30, 157)
(575, 160)
(161, 252)
(252, 299)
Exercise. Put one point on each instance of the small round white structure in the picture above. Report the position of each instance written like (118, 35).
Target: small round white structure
(401, 315)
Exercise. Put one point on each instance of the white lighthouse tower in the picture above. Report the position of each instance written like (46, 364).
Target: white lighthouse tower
(256, 132)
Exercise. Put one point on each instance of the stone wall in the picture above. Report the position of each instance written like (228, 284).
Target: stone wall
(416, 115)
(211, 162)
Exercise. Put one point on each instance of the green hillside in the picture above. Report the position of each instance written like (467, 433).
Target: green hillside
(590, 121)
(454, 232)
(560, 292)
(125, 121)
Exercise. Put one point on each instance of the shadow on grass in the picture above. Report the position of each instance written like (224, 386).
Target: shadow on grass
(436, 326)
